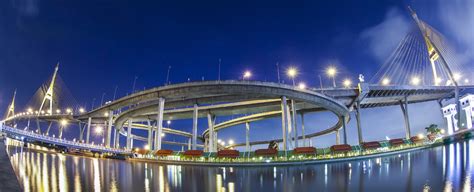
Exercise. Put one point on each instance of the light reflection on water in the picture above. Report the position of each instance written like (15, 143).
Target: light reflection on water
(444, 168)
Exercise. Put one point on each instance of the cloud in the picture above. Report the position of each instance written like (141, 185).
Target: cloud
(28, 8)
(384, 37)
(457, 18)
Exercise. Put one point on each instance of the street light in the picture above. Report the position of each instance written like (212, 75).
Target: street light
(99, 130)
(168, 122)
(231, 142)
(68, 110)
(347, 83)
(58, 111)
(331, 72)
(457, 76)
(415, 80)
(63, 122)
(385, 81)
(302, 86)
(292, 72)
(247, 75)
(81, 110)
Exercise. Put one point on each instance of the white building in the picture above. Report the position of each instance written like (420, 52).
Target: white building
(467, 114)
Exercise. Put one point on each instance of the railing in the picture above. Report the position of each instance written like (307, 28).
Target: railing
(53, 140)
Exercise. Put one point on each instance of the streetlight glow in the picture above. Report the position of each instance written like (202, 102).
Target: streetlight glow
(347, 83)
(457, 76)
(247, 75)
(415, 80)
(106, 114)
(68, 110)
(58, 110)
(81, 110)
(168, 122)
(99, 130)
(331, 71)
(231, 142)
(385, 81)
(30, 110)
(302, 86)
(63, 122)
(292, 72)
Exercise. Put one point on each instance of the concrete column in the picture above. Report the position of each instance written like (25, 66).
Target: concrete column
(359, 128)
(117, 139)
(344, 129)
(129, 134)
(60, 131)
(215, 141)
(195, 122)
(150, 134)
(159, 123)
(293, 119)
(88, 132)
(210, 123)
(109, 129)
(284, 115)
(290, 127)
(247, 135)
(302, 129)
(189, 144)
(81, 132)
(338, 139)
(404, 107)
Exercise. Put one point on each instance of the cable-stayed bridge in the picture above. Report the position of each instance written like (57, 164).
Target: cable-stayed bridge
(422, 68)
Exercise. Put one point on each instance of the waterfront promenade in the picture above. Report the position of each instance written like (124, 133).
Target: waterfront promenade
(7, 175)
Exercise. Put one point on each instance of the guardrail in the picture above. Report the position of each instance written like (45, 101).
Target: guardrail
(47, 139)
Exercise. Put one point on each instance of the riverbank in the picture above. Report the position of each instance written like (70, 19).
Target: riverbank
(7, 174)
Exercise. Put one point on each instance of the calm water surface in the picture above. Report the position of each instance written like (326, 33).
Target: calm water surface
(444, 168)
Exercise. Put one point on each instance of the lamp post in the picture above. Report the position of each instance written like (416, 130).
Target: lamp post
(331, 72)
(247, 74)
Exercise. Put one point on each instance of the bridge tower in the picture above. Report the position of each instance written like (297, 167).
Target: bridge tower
(11, 107)
(49, 93)
(435, 54)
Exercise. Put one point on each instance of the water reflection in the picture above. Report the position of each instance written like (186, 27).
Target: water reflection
(448, 168)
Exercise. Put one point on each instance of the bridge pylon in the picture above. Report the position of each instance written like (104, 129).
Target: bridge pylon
(49, 93)
(11, 107)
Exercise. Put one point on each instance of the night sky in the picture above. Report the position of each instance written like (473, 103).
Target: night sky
(104, 44)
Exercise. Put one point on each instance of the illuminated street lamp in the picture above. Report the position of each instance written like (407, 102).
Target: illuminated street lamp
(106, 114)
(68, 110)
(146, 147)
(415, 80)
(331, 72)
(292, 72)
(30, 110)
(247, 74)
(457, 76)
(81, 110)
(168, 122)
(302, 86)
(163, 134)
(347, 83)
(438, 81)
(385, 81)
(63, 122)
(99, 130)
(58, 111)
(231, 142)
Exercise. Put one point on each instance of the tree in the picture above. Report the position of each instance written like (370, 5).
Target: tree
(433, 129)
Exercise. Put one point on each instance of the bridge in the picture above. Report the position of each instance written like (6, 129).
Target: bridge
(422, 68)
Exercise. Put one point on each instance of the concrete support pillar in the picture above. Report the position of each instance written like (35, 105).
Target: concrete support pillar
(159, 123)
(404, 107)
(359, 128)
(247, 136)
(189, 144)
(294, 125)
(150, 134)
(302, 130)
(81, 132)
(60, 131)
(195, 122)
(284, 114)
(210, 123)
(344, 129)
(129, 134)
(109, 129)
(117, 139)
(88, 132)
(338, 139)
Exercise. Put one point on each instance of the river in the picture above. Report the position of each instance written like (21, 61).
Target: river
(449, 167)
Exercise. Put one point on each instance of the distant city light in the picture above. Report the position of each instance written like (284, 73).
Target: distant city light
(415, 80)
(302, 85)
(347, 83)
(385, 81)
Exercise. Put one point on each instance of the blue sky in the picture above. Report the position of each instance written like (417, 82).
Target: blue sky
(103, 44)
